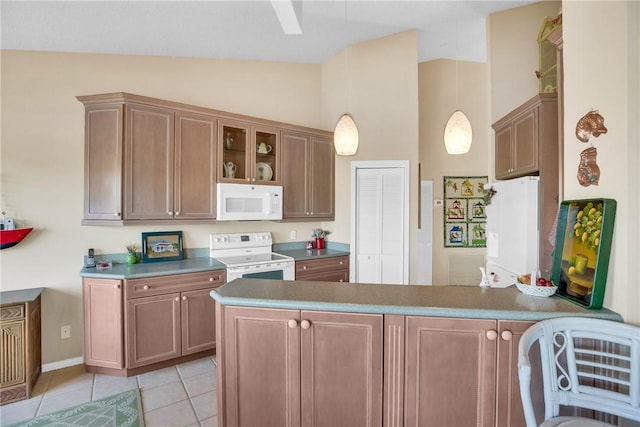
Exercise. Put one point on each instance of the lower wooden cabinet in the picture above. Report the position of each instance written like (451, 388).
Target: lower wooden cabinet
(459, 372)
(134, 324)
(333, 269)
(291, 368)
(310, 368)
(20, 344)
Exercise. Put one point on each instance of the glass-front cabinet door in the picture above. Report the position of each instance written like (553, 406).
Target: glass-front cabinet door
(233, 140)
(248, 153)
(266, 148)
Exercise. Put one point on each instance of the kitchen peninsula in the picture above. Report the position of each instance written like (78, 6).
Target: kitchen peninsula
(312, 353)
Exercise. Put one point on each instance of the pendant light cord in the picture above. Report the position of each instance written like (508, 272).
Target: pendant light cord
(457, 79)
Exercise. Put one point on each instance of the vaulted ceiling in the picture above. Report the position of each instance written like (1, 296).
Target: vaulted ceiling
(242, 29)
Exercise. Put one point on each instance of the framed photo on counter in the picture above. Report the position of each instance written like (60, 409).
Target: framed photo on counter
(162, 246)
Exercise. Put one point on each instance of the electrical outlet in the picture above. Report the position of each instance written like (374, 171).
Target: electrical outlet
(65, 332)
(294, 235)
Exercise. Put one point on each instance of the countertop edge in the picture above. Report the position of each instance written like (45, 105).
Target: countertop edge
(427, 311)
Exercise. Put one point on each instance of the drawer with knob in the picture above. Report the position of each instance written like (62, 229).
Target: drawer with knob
(331, 269)
(149, 286)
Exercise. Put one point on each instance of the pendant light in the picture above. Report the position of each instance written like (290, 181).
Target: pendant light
(457, 133)
(345, 135)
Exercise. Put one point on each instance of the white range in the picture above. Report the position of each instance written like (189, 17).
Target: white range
(250, 255)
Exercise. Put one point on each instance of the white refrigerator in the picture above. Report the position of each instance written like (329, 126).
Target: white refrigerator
(512, 229)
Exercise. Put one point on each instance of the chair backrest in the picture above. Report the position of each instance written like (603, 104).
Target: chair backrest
(587, 363)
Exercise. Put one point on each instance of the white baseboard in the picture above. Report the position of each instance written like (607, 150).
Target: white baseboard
(62, 364)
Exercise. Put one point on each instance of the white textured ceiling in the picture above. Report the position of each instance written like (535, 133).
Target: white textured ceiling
(241, 29)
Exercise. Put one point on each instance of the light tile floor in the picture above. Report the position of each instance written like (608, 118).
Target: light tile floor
(181, 395)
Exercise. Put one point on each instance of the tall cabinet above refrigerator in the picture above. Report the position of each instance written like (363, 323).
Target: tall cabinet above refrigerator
(512, 229)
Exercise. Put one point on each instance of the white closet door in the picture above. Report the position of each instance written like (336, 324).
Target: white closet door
(368, 203)
(380, 225)
(392, 226)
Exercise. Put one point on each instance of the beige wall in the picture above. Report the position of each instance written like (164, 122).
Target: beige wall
(602, 72)
(513, 54)
(382, 97)
(42, 158)
(41, 176)
(42, 148)
(437, 103)
(601, 69)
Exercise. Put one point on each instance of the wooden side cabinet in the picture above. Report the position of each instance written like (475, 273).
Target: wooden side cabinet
(332, 269)
(138, 325)
(292, 367)
(527, 138)
(20, 342)
(307, 177)
(103, 341)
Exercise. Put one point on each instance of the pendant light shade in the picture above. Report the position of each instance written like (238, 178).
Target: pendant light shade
(345, 136)
(458, 134)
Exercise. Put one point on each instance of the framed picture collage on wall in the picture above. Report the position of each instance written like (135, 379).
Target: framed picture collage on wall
(464, 212)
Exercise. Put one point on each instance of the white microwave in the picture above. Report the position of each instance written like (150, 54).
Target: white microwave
(238, 202)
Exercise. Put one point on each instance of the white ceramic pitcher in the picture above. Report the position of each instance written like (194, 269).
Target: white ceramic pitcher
(230, 170)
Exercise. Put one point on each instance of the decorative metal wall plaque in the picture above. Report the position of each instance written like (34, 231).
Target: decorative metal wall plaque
(588, 170)
(591, 123)
(465, 218)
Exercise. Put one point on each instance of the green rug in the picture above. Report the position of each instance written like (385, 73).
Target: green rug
(120, 410)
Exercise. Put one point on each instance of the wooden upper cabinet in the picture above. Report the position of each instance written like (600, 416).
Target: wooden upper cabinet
(249, 153)
(295, 176)
(526, 137)
(149, 162)
(195, 166)
(322, 178)
(308, 166)
(103, 162)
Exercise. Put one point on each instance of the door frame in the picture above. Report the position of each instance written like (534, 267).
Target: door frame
(381, 164)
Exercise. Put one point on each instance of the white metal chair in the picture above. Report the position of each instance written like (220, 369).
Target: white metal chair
(586, 363)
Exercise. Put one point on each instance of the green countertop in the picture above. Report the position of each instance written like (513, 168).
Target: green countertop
(191, 265)
(151, 269)
(304, 254)
(441, 301)
(20, 296)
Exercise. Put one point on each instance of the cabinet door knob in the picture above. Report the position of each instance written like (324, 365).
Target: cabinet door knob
(506, 335)
(341, 280)
(116, 214)
(170, 212)
(184, 298)
(177, 298)
(211, 279)
(292, 323)
(116, 286)
(145, 287)
(341, 262)
(177, 213)
(492, 335)
(305, 324)
(304, 267)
